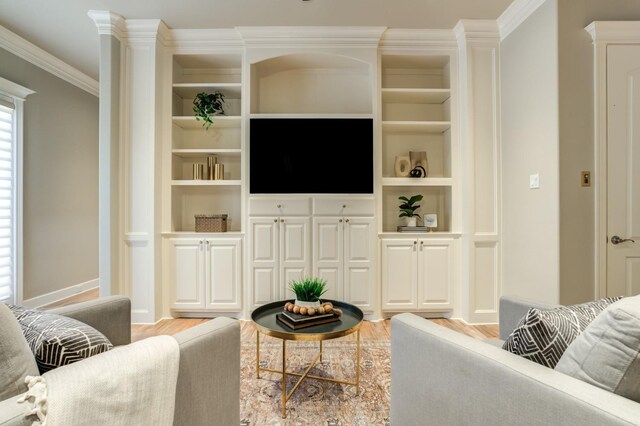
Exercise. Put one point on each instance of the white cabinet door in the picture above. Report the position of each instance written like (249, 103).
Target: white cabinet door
(295, 252)
(399, 274)
(264, 260)
(223, 274)
(327, 254)
(359, 236)
(435, 269)
(187, 269)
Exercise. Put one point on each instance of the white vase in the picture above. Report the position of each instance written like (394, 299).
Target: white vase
(300, 303)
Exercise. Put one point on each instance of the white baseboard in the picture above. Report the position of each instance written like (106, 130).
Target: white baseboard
(57, 295)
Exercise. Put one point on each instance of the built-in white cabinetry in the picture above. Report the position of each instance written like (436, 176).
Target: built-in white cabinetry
(206, 274)
(344, 241)
(417, 274)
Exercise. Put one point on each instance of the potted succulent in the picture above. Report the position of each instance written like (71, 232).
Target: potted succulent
(206, 105)
(308, 291)
(408, 209)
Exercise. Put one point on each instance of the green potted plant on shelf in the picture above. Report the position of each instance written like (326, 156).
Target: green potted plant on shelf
(206, 105)
(308, 291)
(408, 209)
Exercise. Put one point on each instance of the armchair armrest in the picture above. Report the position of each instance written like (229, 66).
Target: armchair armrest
(437, 373)
(208, 388)
(512, 309)
(109, 315)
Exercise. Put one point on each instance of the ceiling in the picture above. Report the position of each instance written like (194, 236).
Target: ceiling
(63, 28)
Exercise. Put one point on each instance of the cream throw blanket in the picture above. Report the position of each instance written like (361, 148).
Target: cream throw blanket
(128, 385)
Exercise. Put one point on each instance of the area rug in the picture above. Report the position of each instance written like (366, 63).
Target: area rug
(316, 402)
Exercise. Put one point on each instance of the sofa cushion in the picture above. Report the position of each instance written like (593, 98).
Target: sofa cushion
(607, 353)
(543, 335)
(56, 340)
(16, 360)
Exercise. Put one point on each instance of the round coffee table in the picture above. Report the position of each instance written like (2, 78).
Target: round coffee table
(265, 320)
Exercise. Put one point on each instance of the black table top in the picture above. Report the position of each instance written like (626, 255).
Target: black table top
(266, 322)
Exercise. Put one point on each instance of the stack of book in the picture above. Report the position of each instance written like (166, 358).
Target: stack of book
(297, 321)
(412, 229)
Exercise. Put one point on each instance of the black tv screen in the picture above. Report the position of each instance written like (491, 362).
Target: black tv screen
(311, 155)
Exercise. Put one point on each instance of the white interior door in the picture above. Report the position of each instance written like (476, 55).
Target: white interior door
(623, 170)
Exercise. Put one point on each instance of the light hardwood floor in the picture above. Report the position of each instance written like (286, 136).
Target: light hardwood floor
(371, 330)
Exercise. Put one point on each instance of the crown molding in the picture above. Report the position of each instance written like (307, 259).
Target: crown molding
(477, 30)
(14, 90)
(614, 31)
(108, 23)
(30, 52)
(516, 14)
(401, 38)
(188, 39)
(311, 36)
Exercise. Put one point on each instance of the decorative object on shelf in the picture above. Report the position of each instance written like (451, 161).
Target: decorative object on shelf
(218, 171)
(212, 160)
(431, 221)
(211, 222)
(402, 166)
(206, 105)
(418, 172)
(198, 171)
(408, 209)
(419, 158)
(308, 292)
(412, 229)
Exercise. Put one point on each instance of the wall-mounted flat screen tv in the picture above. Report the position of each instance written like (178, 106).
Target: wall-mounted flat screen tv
(311, 156)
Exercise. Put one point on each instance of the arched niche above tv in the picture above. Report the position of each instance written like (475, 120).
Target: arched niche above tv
(311, 83)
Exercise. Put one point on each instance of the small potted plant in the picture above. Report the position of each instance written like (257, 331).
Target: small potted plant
(206, 105)
(308, 291)
(408, 209)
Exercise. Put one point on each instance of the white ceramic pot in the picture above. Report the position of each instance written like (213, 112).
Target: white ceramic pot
(412, 221)
(300, 303)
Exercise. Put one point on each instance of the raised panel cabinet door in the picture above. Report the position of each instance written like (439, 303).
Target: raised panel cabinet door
(435, 270)
(295, 252)
(264, 258)
(328, 254)
(359, 236)
(187, 269)
(399, 274)
(223, 274)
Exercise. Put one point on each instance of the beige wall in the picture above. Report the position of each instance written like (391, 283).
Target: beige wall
(577, 219)
(529, 96)
(60, 180)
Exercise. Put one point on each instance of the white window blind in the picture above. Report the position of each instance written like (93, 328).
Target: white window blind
(7, 204)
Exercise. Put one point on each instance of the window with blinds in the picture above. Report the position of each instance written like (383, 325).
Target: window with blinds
(7, 204)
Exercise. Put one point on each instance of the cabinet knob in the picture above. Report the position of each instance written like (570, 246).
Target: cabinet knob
(344, 206)
(340, 221)
(347, 220)
(421, 245)
(275, 220)
(281, 220)
(279, 206)
(415, 242)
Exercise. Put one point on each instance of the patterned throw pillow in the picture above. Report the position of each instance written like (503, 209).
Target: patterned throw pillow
(56, 340)
(543, 335)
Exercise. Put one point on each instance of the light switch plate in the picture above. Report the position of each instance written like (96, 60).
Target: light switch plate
(534, 181)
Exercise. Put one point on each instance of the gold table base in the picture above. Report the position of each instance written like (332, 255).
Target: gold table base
(305, 375)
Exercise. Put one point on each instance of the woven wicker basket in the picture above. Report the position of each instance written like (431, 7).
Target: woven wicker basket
(211, 222)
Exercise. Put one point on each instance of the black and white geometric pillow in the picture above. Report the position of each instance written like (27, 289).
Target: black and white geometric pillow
(56, 340)
(543, 335)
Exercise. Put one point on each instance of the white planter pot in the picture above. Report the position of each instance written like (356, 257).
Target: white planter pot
(300, 303)
(412, 221)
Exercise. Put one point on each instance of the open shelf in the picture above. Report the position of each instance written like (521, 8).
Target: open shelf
(436, 199)
(190, 122)
(415, 96)
(191, 182)
(198, 153)
(401, 181)
(416, 126)
(259, 115)
(190, 90)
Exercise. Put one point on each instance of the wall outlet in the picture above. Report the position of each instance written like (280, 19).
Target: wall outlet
(534, 181)
(585, 178)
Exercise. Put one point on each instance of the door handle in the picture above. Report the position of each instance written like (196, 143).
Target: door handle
(615, 240)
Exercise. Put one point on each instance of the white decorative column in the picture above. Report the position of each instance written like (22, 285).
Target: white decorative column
(479, 46)
(131, 89)
(111, 30)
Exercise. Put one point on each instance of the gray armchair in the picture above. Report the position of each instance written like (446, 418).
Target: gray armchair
(208, 387)
(439, 376)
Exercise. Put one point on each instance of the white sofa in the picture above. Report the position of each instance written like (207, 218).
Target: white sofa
(442, 377)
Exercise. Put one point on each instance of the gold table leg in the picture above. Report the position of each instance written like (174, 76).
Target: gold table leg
(320, 350)
(258, 353)
(284, 379)
(358, 362)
